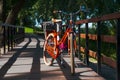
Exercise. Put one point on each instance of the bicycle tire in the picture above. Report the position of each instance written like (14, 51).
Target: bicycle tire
(50, 41)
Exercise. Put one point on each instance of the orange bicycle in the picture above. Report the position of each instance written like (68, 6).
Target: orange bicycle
(53, 44)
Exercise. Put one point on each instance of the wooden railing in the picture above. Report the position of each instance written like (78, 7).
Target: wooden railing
(99, 38)
(105, 38)
(10, 36)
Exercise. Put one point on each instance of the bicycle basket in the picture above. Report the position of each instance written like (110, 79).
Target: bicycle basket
(48, 26)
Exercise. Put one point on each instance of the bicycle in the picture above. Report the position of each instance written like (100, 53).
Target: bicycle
(52, 45)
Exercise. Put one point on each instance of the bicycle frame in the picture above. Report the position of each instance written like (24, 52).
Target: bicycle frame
(52, 46)
(63, 39)
(54, 51)
(58, 43)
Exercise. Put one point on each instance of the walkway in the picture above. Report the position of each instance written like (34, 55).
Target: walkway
(25, 62)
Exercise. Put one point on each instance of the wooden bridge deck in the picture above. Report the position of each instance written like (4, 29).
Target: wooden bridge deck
(25, 62)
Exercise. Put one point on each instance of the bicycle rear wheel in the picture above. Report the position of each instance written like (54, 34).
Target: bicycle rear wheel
(50, 42)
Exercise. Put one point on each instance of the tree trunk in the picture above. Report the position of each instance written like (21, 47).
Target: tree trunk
(1, 9)
(46, 10)
(14, 12)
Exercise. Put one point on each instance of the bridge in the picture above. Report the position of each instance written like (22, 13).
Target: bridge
(22, 56)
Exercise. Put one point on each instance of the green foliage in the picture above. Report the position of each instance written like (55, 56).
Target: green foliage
(101, 7)
(107, 28)
(44, 8)
(108, 49)
(29, 30)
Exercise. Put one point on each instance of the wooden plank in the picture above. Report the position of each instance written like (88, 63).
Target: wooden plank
(105, 59)
(86, 46)
(100, 18)
(110, 16)
(82, 21)
(98, 47)
(109, 61)
(86, 73)
(104, 38)
(108, 38)
(118, 49)
(92, 37)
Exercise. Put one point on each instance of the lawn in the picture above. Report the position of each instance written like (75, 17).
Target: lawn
(29, 30)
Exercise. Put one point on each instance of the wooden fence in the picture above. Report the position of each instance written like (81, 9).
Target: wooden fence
(105, 38)
(10, 36)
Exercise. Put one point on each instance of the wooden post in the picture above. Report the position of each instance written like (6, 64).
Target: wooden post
(118, 49)
(11, 34)
(98, 48)
(79, 52)
(86, 46)
(4, 36)
(72, 54)
(14, 33)
(8, 37)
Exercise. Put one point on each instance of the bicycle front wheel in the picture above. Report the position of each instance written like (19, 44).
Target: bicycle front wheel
(49, 49)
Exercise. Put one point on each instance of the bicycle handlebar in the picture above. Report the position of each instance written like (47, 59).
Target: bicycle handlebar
(80, 10)
(60, 12)
(66, 13)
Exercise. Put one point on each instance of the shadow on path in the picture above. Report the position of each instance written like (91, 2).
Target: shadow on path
(34, 53)
(35, 69)
(66, 71)
(10, 62)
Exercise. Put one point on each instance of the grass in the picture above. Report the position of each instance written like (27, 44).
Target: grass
(33, 30)
(92, 60)
(29, 30)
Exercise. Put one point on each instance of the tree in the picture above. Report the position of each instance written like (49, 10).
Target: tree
(14, 12)
(1, 9)
(44, 8)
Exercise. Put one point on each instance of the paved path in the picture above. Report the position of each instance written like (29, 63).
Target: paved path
(25, 62)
